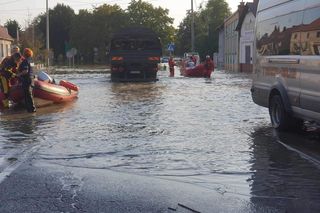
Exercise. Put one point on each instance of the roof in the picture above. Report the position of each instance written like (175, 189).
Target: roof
(249, 7)
(4, 35)
(135, 32)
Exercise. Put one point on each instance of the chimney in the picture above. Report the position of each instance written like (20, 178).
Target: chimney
(240, 7)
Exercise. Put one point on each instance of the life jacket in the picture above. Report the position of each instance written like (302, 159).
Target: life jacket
(7, 67)
(171, 63)
(209, 64)
(4, 61)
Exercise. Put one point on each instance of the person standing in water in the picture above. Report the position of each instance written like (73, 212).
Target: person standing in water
(171, 66)
(26, 76)
(209, 67)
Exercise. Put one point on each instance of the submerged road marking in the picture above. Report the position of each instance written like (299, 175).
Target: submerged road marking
(303, 155)
(21, 158)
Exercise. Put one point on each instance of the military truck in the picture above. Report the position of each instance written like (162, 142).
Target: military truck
(135, 53)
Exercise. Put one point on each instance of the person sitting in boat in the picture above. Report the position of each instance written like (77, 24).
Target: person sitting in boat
(209, 67)
(25, 75)
(171, 66)
(190, 63)
(7, 69)
(194, 59)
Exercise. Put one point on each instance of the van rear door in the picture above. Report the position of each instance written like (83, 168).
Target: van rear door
(310, 49)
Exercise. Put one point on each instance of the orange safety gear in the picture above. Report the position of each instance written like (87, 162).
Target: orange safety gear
(27, 52)
(209, 67)
(171, 66)
(7, 73)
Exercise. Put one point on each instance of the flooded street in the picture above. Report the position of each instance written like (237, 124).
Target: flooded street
(205, 132)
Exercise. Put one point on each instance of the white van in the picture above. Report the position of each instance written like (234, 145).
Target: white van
(287, 61)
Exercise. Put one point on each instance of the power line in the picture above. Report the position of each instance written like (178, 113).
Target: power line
(9, 2)
(12, 10)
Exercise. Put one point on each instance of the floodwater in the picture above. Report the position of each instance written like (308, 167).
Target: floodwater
(206, 132)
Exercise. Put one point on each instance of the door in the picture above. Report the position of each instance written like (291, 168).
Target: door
(248, 54)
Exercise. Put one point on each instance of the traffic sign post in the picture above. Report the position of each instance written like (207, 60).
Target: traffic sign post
(171, 47)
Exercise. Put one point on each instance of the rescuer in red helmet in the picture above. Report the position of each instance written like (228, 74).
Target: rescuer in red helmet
(171, 66)
(209, 67)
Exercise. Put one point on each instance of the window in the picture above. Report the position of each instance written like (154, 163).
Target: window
(1, 51)
(274, 35)
(311, 21)
(8, 49)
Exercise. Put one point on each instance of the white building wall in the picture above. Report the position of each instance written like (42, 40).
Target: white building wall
(247, 37)
(220, 60)
(5, 46)
(231, 45)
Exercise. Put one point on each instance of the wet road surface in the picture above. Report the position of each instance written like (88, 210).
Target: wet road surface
(203, 132)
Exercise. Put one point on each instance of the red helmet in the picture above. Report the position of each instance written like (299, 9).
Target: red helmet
(27, 52)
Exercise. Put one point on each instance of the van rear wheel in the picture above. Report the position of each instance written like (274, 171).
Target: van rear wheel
(280, 118)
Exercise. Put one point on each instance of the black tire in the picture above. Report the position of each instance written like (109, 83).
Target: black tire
(280, 118)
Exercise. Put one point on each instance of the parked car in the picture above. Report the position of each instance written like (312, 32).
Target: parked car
(135, 54)
(164, 59)
(287, 62)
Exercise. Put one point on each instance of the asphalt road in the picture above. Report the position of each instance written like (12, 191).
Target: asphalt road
(41, 187)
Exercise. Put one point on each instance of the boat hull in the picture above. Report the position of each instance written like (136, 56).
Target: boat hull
(197, 71)
(53, 93)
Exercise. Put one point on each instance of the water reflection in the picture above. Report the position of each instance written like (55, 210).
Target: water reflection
(282, 178)
(19, 127)
(124, 92)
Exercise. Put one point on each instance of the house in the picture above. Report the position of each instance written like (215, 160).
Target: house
(236, 38)
(231, 40)
(245, 28)
(220, 55)
(5, 42)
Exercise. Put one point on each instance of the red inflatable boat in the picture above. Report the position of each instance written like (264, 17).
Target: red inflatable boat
(57, 93)
(197, 71)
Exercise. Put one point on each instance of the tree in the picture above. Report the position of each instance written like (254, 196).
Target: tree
(213, 15)
(60, 18)
(94, 29)
(156, 18)
(207, 21)
(184, 33)
(13, 27)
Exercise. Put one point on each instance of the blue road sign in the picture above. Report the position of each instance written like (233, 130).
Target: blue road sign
(171, 47)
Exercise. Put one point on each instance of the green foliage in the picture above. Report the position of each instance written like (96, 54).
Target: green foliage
(155, 18)
(60, 24)
(207, 20)
(12, 26)
(94, 29)
(89, 30)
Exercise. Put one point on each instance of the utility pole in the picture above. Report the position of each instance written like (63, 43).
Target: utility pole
(192, 28)
(48, 47)
(17, 35)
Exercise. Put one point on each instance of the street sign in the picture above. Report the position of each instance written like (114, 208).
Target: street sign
(171, 47)
(71, 53)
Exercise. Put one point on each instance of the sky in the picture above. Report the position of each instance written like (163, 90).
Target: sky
(25, 10)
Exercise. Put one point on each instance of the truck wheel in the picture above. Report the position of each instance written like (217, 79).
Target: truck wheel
(280, 118)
